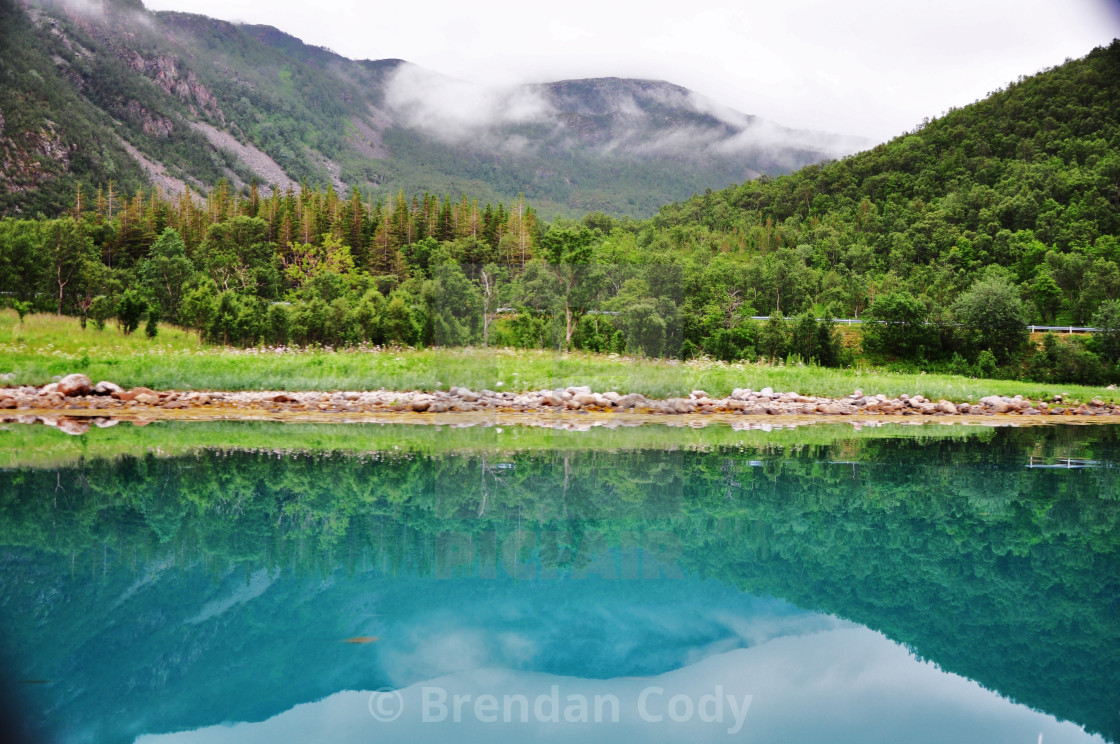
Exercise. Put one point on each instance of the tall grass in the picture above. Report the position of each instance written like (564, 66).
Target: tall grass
(43, 347)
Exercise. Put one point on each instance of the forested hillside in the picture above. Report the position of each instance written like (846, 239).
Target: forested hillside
(105, 92)
(1028, 179)
(950, 239)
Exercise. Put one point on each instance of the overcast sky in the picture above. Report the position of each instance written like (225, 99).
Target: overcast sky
(871, 67)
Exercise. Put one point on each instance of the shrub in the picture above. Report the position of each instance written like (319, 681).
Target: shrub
(131, 308)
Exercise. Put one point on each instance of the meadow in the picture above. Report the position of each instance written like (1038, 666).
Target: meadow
(43, 347)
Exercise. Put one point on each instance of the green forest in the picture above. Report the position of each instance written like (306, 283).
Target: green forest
(951, 239)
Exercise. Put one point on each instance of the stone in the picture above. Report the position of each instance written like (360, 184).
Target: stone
(585, 399)
(465, 394)
(631, 400)
(76, 384)
(146, 399)
(680, 405)
(550, 398)
(282, 398)
(106, 388)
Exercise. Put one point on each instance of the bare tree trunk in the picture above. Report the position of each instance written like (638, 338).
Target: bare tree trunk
(486, 310)
(58, 267)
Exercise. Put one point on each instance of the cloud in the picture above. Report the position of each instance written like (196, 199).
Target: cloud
(842, 684)
(87, 8)
(455, 110)
(607, 116)
(98, 11)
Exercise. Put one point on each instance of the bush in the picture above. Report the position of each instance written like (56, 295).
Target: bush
(131, 308)
(773, 338)
(688, 350)
(732, 344)
(898, 327)
(278, 325)
(986, 365)
(1065, 361)
(1107, 341)
(100, 310)
(994, 316)
(151, 330)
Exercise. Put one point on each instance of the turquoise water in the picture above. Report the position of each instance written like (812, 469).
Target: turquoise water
(883, 586)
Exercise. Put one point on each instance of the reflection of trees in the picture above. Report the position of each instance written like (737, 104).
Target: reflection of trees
(1005, 574)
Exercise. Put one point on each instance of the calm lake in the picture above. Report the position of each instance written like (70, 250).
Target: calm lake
(251, 582)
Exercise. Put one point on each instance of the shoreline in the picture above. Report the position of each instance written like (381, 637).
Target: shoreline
(74, 403)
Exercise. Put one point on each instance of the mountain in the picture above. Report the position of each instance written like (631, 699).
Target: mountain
(1025, 184)
(100, 90)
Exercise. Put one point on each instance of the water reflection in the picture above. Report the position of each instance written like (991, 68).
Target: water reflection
(163, 594)
(845, 685)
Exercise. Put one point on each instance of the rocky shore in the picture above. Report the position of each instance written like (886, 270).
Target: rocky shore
(76, 395)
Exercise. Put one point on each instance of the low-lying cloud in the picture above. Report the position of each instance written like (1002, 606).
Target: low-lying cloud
(610, 117)
(456, 110)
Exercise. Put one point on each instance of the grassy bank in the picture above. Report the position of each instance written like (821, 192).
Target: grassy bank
(42, 347)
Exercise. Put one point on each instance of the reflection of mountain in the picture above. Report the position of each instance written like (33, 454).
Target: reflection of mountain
(1006, 575)
(859, 686)
(175, 649)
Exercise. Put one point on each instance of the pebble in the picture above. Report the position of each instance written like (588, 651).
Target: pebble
(76, 392)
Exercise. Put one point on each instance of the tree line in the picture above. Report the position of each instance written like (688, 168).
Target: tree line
(309, 267)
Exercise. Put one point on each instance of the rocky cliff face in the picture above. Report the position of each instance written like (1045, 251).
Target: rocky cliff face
(33, 159)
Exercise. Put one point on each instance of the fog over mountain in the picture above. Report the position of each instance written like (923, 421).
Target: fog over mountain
(100, 90)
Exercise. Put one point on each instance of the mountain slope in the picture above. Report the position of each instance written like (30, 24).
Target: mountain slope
(95, 92)
(1027, 179)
